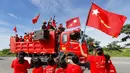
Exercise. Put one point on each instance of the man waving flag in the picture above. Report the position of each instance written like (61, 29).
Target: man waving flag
(108, 22)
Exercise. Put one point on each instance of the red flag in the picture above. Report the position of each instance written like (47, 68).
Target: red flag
(35, 19)
(15, 29)
(108, 22)
(74, 22)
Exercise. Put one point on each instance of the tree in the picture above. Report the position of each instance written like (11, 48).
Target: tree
(113, 46)
(92, 43)
(126, 30)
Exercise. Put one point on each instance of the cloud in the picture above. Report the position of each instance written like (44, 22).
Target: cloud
(3, 22)
(12, 15)
(51, 5)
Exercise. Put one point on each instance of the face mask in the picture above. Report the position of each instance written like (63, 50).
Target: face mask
(21, 60)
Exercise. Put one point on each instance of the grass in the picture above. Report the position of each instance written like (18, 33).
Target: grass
(117, 53)
(4, 55)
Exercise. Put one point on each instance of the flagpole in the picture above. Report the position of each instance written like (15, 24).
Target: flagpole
(82, 36)
(33, 28)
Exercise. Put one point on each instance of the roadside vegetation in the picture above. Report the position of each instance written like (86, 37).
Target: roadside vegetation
(6, 52)
(124, 52)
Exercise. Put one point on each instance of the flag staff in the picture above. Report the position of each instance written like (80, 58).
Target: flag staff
(82, 35)
(33, 28)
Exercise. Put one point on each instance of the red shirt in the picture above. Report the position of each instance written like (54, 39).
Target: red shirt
(97, 64)
(110, 68)
(37, 70)
(49, 69)
(20, 68)
(72, 68)
(60, 70)
(26, 38)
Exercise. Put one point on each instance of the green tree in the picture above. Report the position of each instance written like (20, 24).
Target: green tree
(6, 51)
(113, 46)
(92, 43)
(126, 30)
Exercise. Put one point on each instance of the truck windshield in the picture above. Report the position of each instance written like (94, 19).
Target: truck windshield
(75, 36)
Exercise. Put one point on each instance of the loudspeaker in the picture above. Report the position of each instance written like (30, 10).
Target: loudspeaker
(41, 35)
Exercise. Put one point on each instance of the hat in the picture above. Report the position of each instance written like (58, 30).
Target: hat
(99, 48)
(44, 22)
(21, 54)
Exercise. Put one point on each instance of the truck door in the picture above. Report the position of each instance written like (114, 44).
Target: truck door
(64, 42)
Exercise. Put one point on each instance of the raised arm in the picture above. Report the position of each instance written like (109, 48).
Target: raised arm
(82, 52)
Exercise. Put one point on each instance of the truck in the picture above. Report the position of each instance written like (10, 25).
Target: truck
(47, 43)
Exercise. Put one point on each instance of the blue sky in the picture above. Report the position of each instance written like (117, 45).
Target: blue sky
(21, 12)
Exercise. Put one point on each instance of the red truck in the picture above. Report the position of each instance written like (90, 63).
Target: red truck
(46, 43)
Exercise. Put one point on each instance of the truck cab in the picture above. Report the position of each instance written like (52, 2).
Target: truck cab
(69, 42)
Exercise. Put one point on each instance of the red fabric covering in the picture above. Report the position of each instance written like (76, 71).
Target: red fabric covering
(37, 70)
(20, 68)
(60, 70)
(73, 22)
(35, 19)
(49, 69)
(15, 29)
(97, 64)
(72, 68)
(110, 68)
(108, 22)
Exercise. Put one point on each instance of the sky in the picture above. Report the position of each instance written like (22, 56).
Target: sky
(19, 13)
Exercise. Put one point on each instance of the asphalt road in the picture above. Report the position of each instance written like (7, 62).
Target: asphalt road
(122, 65)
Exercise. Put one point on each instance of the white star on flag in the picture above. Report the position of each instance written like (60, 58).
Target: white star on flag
(75, 21)
(95, 12)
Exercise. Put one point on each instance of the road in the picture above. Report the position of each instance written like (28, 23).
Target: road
(122, 65)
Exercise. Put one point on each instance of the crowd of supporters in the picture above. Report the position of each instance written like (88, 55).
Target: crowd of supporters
(99, 63)
(50, 26)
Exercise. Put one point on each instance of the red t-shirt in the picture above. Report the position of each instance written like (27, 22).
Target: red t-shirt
(37, 70)
(49, 69)
(60, 70)
(72, 68)
(110, 68)
(97, 64)
(20, 68)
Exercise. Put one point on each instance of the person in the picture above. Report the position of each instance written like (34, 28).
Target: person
(60, 28)
(21, 39)
(110, 68)
(74, 67)
(63, 66)
(49, 26)
(26, 37)
(30, 37)
(97, 61)
(44, 27)
(20, 65)
(37, 66)
(51, 66)
(17, 38)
